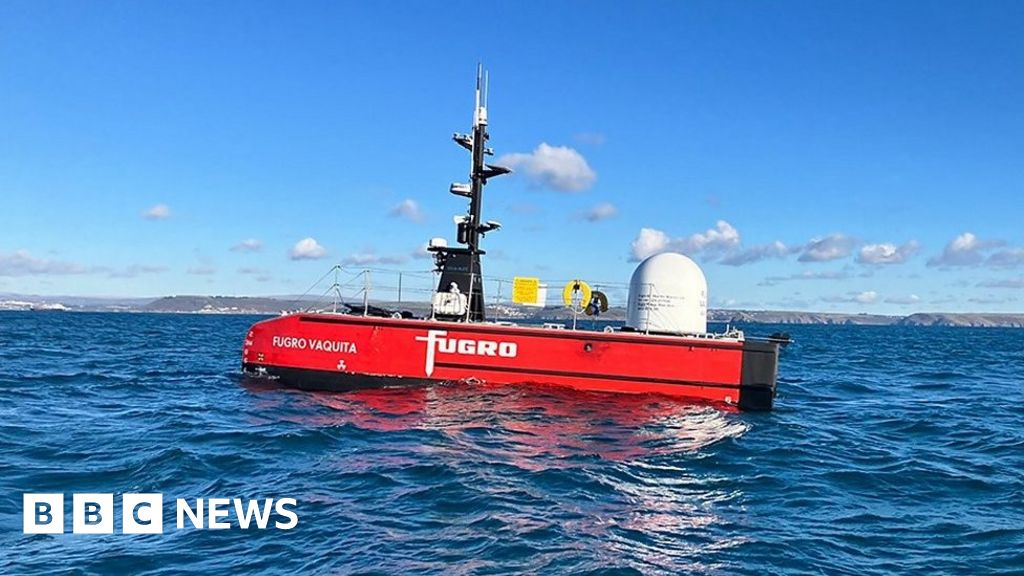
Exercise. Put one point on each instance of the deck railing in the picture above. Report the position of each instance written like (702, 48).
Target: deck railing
(366, 290)
(355, 290)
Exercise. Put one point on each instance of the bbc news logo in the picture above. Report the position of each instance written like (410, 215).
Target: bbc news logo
(144, 513)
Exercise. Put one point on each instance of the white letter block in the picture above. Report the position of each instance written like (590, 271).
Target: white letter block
(92, 514)
(43, 513)
(142, 513)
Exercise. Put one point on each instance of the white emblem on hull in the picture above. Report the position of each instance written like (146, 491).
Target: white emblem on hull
(438, 343)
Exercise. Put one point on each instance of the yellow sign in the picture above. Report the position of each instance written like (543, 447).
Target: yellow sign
(525, 290)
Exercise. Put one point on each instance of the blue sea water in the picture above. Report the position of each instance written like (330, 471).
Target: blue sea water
(891, 451)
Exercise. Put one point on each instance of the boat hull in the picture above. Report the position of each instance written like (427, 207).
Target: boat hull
(347, 352)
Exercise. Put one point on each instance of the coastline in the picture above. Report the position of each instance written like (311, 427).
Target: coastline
(277, 305)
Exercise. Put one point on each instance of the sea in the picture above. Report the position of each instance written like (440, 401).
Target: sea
(891, 450)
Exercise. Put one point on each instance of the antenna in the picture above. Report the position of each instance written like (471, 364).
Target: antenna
(476, 109)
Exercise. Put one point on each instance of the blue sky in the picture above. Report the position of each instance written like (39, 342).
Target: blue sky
(810, 155)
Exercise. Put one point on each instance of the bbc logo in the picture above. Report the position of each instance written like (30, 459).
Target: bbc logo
(93, 513)
(143, 513)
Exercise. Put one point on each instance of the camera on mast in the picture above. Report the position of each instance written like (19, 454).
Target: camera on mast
(464, 140)
(460, 189)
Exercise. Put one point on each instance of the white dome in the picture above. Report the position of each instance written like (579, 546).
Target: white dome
(668, 294)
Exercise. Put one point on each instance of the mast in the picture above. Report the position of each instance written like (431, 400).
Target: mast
(461, 266)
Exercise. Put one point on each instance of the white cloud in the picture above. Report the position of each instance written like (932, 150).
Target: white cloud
(722, 237)
(408, 209)
(904, 300)
(724, 241)
(202, 270)
(307, 249)
(557, 167)
(157, 212)
(887, 253)
(648, 242)
(866, 297)
(757, 253)
(651, 241)
(23, 263)
(602, 211)
(964, 250)
(248, 245)
(828, 248)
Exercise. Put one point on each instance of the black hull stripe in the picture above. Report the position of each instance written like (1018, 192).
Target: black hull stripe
(310, 379)
(749, 397)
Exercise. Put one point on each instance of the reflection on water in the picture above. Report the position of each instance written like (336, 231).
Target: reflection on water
(609, 472)
(553, 422)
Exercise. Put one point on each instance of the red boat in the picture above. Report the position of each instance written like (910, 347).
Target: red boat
(664, 347)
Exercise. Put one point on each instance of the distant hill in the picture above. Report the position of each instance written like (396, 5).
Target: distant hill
(980, 320)
(197, 304)
(782, 317)
(217, 305)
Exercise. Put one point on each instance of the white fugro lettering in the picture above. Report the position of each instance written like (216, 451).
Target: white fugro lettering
(437, 342)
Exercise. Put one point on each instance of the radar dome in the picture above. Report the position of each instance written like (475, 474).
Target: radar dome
(668, 294)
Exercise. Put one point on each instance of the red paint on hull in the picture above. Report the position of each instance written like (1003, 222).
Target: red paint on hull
(325, 348)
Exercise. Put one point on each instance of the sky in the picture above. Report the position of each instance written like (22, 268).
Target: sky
(854, 157)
